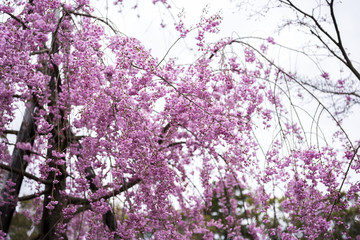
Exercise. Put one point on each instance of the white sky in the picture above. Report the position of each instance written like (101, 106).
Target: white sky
(236, 21)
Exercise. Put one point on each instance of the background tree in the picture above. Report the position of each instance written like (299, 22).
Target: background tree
(112, 138)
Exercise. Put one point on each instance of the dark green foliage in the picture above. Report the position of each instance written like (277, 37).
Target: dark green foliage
(19, 227)
(22, 227)
(220, 207)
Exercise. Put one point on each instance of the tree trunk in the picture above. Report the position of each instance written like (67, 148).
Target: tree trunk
(59, 141)
(8, 196)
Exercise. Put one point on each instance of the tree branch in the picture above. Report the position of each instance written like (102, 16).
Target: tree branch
(340, 45)
(330, 91)
(32, 196)
(22, 172)
(45, 50)
(328, 47)
(337, 42)
(14, 132)
(289, 3)
(126, 186)
(18, 20)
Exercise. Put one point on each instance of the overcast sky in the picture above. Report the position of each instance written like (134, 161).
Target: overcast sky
(237, 20)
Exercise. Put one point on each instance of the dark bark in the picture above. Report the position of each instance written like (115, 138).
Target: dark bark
(109, 218)
(54, 201)
(52, 217)
(25, 134)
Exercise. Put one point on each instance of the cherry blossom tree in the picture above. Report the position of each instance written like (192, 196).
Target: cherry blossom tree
(104, 161)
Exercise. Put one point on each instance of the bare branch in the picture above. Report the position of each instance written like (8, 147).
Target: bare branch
(32, 196)
(14, 132)
(45, 50)
(18, 20)
(340, 44)
(328, 47)
(289, 3)
(337, 42)
(330, 91)
(176, 143)
(22, 172)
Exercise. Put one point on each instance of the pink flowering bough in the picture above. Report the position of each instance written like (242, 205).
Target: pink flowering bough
(102, 160)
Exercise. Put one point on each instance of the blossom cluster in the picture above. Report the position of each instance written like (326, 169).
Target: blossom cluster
(108, 157)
